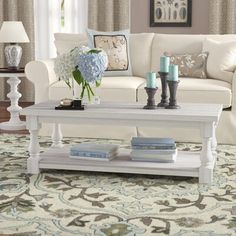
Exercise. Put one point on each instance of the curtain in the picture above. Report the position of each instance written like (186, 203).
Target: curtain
(75, 16)
(54, 16)
(47, 21)
(108, 15)
(19, 10)
(222, 16)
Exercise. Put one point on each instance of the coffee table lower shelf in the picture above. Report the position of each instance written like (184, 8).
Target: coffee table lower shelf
(187, 164)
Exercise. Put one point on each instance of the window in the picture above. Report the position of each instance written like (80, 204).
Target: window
(51, 16)
(62, 13)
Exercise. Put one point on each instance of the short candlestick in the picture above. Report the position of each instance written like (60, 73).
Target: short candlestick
(151, 105)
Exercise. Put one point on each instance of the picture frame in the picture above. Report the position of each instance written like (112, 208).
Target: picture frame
(170, 13)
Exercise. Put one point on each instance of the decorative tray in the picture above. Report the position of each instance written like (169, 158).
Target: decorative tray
(60, 107)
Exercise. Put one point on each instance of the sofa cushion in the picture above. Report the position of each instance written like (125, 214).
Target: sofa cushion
(221, 61)
(112, 89)
(181, 44)
(140, 48)
(174, 44)
(196, 91)
(66, 42)
(140, 53)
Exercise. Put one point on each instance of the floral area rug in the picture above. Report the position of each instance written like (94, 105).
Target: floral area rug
(102, 204)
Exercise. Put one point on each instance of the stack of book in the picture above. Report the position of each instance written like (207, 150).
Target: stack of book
(153, 149)
(94, 151)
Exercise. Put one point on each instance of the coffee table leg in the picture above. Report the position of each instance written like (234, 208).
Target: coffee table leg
(57, 136)
(207, 158)
(34, 147)
(214, 144)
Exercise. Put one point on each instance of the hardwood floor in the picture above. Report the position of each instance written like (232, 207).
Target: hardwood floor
(5, 115)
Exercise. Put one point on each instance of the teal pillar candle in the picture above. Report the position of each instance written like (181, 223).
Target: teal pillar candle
(164, 64)
(151, 80)
(173, 73)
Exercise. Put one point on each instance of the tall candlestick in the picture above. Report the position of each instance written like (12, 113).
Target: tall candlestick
(164, 101)
(164, 64)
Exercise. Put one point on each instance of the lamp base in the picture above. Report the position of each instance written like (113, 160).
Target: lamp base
(13, 53)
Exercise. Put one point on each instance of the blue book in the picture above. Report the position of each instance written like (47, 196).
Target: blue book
(92, 158)
(152, 141)
(95, 148)
(91, 154)
(153, 147)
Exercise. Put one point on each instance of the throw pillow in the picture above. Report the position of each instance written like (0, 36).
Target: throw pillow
(116, 45)
(221, 61)
(190, 65)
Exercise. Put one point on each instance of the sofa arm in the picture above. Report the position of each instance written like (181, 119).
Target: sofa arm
(42, 74)
(234, 92)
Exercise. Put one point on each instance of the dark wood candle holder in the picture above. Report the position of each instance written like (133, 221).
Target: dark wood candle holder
(164, 99)
(151, 105)
(173, 85)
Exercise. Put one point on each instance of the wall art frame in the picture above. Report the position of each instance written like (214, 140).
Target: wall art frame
(170, 13)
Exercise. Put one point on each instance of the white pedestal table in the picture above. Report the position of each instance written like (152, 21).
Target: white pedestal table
(14, 123)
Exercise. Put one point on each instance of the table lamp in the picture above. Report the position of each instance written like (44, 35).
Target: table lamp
(13, 32)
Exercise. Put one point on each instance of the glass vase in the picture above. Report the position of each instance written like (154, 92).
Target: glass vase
(76, 90)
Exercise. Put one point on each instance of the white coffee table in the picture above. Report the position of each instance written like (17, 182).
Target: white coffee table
(202, 116)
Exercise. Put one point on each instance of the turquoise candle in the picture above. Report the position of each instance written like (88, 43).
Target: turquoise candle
(151, 80)
(173, 73)
(164, 64)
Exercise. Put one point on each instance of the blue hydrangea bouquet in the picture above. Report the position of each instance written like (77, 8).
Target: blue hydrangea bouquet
(85, 66)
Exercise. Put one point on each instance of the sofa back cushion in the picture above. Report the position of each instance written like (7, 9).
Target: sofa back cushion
(140, 53)
(140, 49)
(174, 44)
(146, 48)
(65, 42)
(221, 62)
(181, 44)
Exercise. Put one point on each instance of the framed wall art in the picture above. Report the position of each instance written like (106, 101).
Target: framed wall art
(170, 13)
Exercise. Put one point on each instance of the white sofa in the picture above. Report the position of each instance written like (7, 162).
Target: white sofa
(145, 51)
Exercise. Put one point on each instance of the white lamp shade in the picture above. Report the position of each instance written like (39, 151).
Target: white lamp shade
(13, 32)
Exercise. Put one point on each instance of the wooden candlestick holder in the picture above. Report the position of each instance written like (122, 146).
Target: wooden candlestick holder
(164, 99)
(173, 85)
(151, 104)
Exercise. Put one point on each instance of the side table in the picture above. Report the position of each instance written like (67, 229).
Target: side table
(14, 123)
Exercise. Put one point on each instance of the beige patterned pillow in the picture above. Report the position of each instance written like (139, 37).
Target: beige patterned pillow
(190, 65)
(116, 48)
(116, 45)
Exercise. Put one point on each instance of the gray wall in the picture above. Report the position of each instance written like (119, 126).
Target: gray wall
(140, 19)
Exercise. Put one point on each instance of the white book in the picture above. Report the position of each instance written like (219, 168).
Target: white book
(154, 158)
(153, 152)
